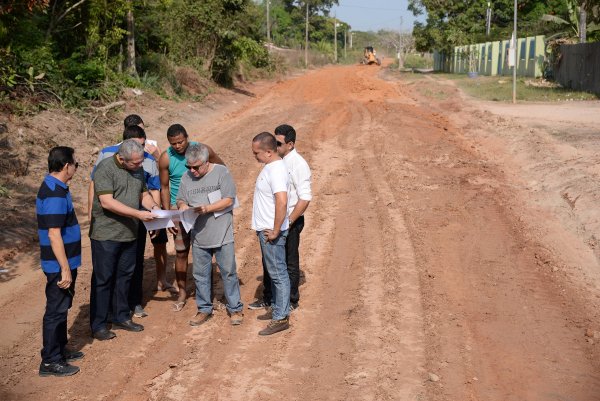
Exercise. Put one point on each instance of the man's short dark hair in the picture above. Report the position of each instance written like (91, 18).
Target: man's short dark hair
(132, 119)
(133, 132)
(288, 131)
(59, 157)
(266, 140)
(175, 130)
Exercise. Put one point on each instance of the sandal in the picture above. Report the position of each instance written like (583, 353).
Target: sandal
(178, 306)
(171, 289)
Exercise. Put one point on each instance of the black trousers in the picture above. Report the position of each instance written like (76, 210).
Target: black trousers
(292, 256)
(54, 327)
(114, 263)
(137, 280)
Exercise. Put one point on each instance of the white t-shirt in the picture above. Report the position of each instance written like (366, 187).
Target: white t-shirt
(300, 179)
(272, 179)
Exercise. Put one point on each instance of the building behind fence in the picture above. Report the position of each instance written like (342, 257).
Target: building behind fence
(491, 58)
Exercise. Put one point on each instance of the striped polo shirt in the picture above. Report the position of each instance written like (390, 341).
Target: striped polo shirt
(54, 208)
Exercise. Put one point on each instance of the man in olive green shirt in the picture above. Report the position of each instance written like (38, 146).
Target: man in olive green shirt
(119, 186)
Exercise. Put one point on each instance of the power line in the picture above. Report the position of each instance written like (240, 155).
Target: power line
(372, 8)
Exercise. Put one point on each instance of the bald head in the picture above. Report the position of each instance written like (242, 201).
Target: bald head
(266, 141)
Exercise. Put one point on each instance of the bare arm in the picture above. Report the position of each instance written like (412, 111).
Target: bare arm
(153, 150)
(221, 204)
(148, 201)
(111, 204)
(58, 247)
(280, 212)
(155, 194)
(163, 174)
(213, 157)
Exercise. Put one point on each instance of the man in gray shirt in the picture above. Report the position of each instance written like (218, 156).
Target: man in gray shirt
(209, 189)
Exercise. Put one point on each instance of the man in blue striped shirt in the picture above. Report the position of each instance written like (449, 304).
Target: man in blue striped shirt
(60, 253)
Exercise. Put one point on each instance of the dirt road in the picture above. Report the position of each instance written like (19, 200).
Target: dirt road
(449, 254)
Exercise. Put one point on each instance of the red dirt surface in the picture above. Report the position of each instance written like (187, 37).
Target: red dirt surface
(450, 253)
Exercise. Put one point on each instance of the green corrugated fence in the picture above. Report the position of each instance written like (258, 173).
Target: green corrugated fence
(491, 58)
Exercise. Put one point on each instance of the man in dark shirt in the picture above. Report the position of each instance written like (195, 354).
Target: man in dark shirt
(60, 254)
(119, 187)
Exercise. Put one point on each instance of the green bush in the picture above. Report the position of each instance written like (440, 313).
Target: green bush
(82, 71)
(417, 61)
(251, 51)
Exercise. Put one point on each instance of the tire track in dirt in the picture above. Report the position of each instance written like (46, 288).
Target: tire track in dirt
(500, 324)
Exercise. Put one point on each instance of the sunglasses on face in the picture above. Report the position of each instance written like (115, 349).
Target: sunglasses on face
(279, 144)
(195, 168)
(76, 164)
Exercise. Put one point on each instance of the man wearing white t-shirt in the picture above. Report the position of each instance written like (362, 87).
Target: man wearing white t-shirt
(270, 221)
(300, 195)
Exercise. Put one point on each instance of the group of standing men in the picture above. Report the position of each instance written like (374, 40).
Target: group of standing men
(127, 185)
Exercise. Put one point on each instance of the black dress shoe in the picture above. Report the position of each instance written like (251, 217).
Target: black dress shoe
(128, 325)
(57, 369)
(103, 334)
(71, 356)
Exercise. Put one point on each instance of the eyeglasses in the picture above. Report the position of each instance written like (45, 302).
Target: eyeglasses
(195, 168)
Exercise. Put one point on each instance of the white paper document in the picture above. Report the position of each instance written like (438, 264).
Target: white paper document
(170, 214)
(188, 218)
(169, 218)
(164, 219)
(159, 223)
(216, 196)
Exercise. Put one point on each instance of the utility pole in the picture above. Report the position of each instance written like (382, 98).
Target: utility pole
(306, 38)
(488, 18)
(335, 38)
(268, 23)
(515, 53)
(345, 40)
(351, 36)
(399, 49)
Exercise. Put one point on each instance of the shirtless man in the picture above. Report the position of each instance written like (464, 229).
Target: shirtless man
(171, 167)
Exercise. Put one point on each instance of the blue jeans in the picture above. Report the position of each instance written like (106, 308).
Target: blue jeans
(113, 263)
(273, 254)
(225, 256)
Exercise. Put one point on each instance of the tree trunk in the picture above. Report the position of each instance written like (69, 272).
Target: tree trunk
(306, 39)
(582, 25)
(131, 42)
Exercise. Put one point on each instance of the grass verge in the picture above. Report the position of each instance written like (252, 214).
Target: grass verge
(499, 89)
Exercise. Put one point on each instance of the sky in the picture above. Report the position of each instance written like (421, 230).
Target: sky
(372, 15)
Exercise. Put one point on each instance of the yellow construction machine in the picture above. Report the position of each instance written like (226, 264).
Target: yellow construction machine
(370, 56)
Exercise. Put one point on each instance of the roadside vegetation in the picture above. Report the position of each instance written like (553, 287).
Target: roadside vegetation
(456, 22)
(81, 53)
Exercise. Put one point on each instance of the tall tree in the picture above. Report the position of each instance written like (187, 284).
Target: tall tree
(457, 22)
(131, 40)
